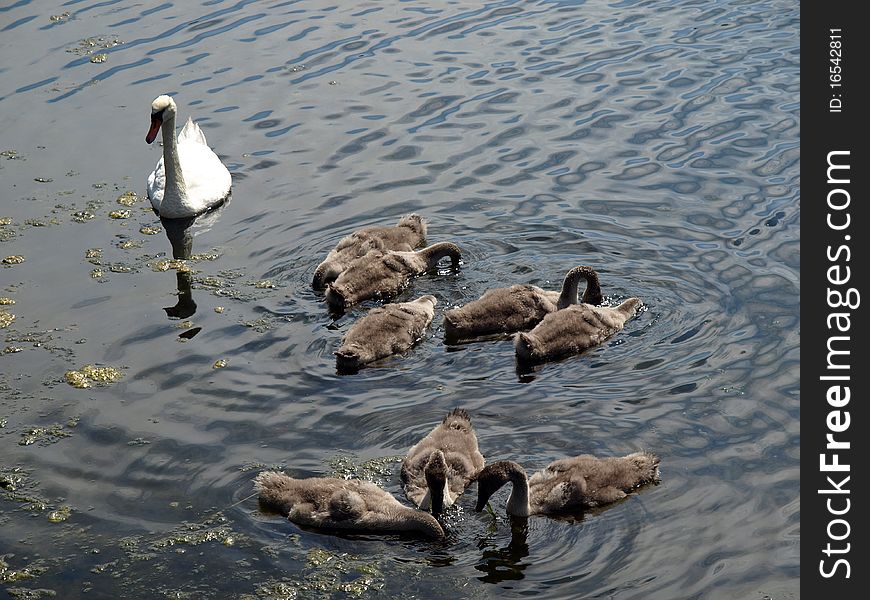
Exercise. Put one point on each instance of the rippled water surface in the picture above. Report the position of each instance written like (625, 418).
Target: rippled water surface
(656, 141)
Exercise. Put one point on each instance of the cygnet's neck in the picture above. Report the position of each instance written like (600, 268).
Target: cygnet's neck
(592, 294)
(518, 502)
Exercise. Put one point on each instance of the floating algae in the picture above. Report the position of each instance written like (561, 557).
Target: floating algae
(265, 284)
(99, 58)
(15, 259)
(378, 470)
(90, 374)
(119, 214)
(166, 264)
(60, 515)
(43, 435)
(6, 318)
(82, 216)
(127, 244)
(149, 230)
(6, 301)
(128, 198)
(97, 274)
(94, 253)
(220, 363)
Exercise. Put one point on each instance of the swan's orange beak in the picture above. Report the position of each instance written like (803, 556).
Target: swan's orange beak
(156, 122)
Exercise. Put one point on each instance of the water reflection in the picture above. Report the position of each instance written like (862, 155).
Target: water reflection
(180, 233)
(505, 564)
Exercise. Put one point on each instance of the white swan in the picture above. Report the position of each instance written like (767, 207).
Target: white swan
(189, 178)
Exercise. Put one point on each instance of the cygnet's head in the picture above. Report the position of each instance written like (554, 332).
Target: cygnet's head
(435, 472)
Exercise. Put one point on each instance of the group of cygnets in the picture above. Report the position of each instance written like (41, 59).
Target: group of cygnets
(379, 263)
(437, 470)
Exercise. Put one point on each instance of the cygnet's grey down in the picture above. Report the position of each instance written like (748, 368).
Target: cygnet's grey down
(381, 274)
(386, 330)
(567, 485)
(439, 467)
(409, 233)
(572, 330)
(519, 307)
(340, 504)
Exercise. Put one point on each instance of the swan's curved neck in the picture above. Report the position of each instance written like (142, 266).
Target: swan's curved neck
(592, 295)
(518, 502)
(175, 189)
(436, 252)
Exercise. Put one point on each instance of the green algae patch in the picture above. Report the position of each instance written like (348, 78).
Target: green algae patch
(83, 216)
(220, 363)
(10, 575)
(261, 325)
(60, 515)
(99, 58)
(119, 214)
(166, 264)
(89, 375)
(378, 470)
(15, 259)
(15, 486)
(6, 318)
(7, 301)
(149, 230)
(44, 435)
(326, 575)
(128, 199)
(128, 244)
(212, 529)
(94, 254)
(265, 284)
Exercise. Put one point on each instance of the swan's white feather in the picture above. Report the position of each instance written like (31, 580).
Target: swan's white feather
(206, 179)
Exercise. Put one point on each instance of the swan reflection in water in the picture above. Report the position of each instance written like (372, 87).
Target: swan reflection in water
(505, 564)
(181, 233)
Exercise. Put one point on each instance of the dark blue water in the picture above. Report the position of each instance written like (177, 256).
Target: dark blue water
(655, 141)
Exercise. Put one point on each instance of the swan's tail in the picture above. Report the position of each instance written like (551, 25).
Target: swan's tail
(192, 133)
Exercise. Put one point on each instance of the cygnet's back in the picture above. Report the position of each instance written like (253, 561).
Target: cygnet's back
(409, 233)
(340, 504)
(450, 448)
(572, 330)
(386, 330)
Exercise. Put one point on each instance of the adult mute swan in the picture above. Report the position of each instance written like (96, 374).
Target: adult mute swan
(189, 178)
(519, 307)
(568, 484)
